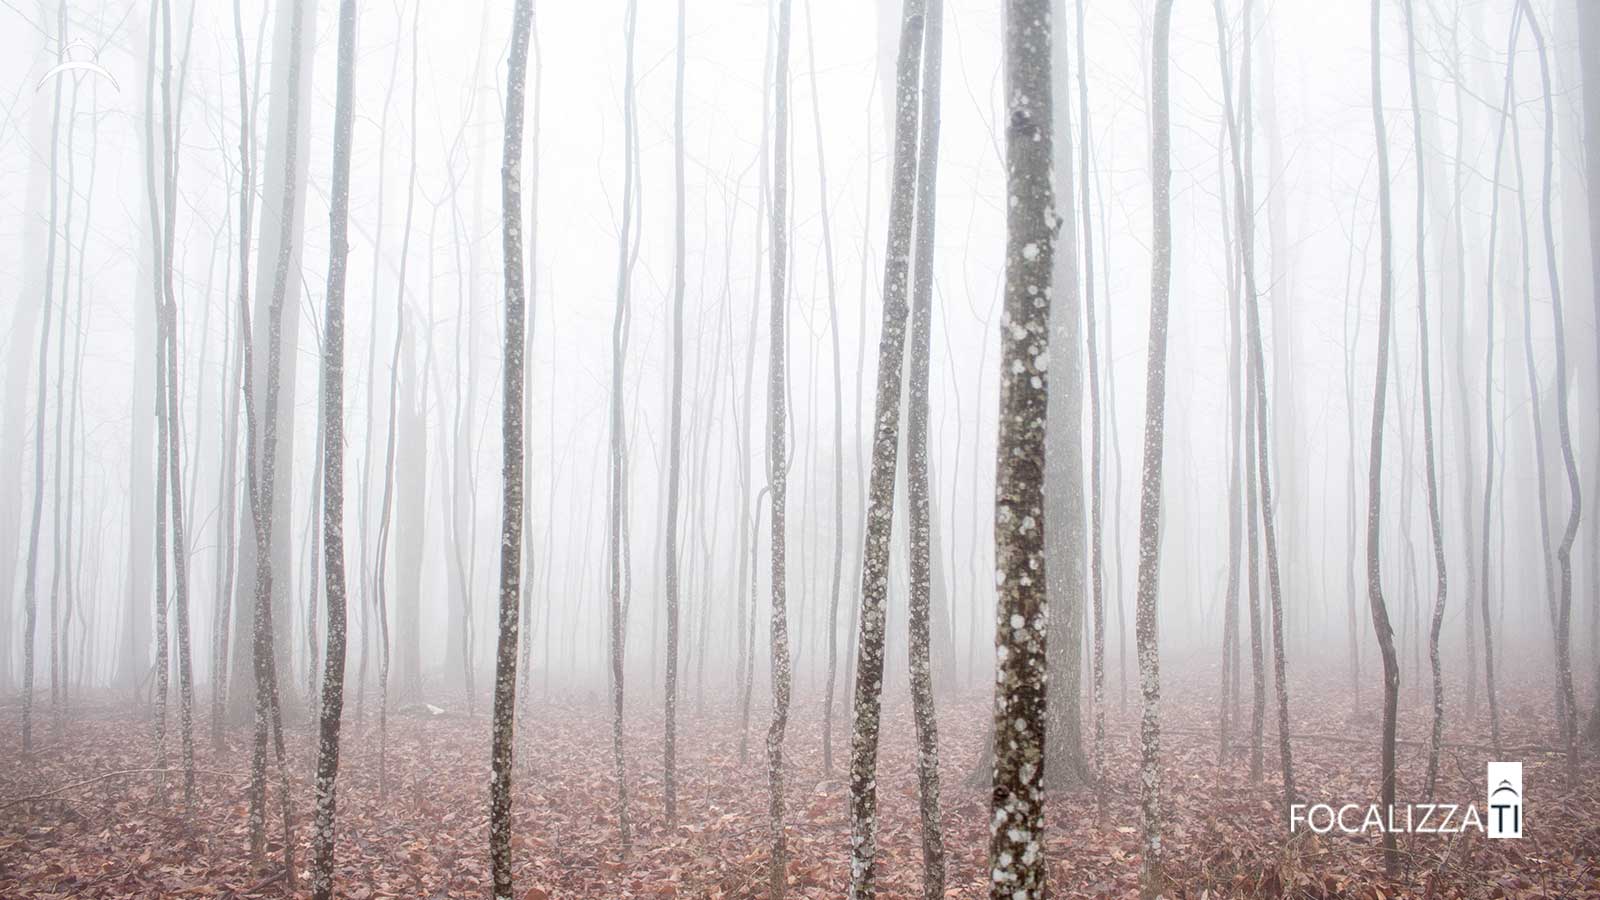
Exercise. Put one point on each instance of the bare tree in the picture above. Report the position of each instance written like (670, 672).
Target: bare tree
(923, 545)
(1151, 878)
(1563, 624)
(1016, 821)
(1380, 611)
(879, 525)
(324, 787)
(669, 781)
(618, 471)
(512, 433)
(777, 464)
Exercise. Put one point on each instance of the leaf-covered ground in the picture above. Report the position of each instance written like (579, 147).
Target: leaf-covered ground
(91, 833)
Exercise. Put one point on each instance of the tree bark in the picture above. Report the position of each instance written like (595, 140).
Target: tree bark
(1151, 878)
(669, 782)
(1380, 611)
(512, 433)
(879, 525)
(1016, 821)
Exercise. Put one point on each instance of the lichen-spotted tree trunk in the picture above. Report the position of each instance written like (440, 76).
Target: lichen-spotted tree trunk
(879, 525)
(324, 787)
(1016, 820)
(920, 531)
(512, 433)
(1380, 610)
(777, 463)
(1151, 878)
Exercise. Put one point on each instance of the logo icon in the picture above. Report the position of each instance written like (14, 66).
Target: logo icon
(89, 63)
(1505, 800)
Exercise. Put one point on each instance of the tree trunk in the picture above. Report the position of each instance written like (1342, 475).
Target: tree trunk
(512, 433)
(879, 525)
(1563, 625)
(922, 546)
(1016, 821)
(1063, 480)
(324, 787)
(1151, 879)
(1380, 611)
(669, 783)
(777, 462)
(618, 492)
(1589, 53)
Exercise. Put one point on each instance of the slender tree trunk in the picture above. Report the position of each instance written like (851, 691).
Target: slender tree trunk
(1425, 367)
(1016, 821)
(1380, 611)
(669, 782)
(618, 513)
(1151, 878)
(917, 488)
(879, 525)
(1589, 53)
(1563, 625)
(324, 787)
(777, 461)
(1065, 763)
(512, 434)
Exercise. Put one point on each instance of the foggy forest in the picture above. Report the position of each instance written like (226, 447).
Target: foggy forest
(800, 449)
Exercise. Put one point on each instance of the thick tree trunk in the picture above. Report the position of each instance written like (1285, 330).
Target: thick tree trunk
(1016, 821)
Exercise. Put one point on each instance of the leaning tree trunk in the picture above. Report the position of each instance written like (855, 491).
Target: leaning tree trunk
(777, 463)
(1016, 820)
(1151, 879)
(669, 780)
(917, 491)
(323, 787)
(879, 525)
(1380, 611)
(511, 431)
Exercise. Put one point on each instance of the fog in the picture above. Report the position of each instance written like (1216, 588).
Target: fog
(654, 153)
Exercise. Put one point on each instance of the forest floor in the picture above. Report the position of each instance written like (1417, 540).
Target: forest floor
(83, 818)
